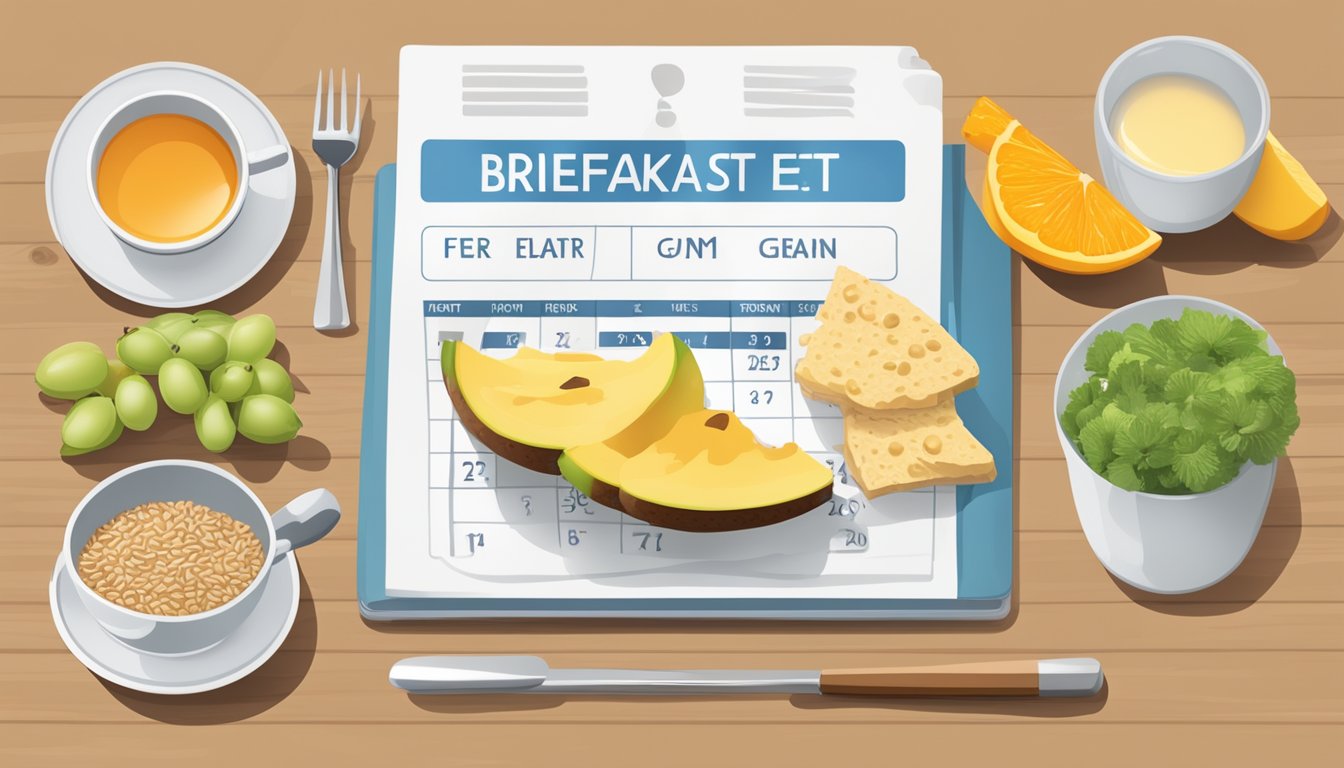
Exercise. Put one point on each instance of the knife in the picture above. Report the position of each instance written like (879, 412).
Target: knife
(531, 674)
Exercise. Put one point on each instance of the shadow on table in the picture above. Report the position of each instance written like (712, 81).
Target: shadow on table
(1269, 555)
(1231, 245)
(252, 695)
(1228, 246)
(174, 437)
(1016, 706)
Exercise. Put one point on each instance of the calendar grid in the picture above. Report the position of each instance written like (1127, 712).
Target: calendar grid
(745, 352)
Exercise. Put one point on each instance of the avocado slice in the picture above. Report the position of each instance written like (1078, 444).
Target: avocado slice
(532, 406)
(709, 473)
(594, 468)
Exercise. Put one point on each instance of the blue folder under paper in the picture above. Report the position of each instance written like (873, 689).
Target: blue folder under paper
(977, 310)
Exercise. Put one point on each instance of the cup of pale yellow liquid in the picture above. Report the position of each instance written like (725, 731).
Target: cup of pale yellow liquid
(1181, 124)
(168, 171)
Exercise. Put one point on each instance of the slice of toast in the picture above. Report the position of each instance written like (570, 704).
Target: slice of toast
(878, 350)
(897, 450)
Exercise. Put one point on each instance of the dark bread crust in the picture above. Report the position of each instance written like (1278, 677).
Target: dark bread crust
(530, 456)
(606, 494)
(715, 521)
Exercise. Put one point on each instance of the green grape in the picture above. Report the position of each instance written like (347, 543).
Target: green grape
(71, 371)
(137, 405)
(203, 348)
(116, 372)
(143, 349)
(214, 425)
(268, 419)
(182, 386)
(171, 325)
(270, 378)
(214, 320)
(89, 422)
(251, 338)
(232, 381)
(70, 450)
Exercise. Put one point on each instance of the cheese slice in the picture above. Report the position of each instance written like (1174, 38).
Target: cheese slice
(878, 350)
(897, 450)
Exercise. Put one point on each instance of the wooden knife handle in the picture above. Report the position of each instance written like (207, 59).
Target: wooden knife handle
(988, 678)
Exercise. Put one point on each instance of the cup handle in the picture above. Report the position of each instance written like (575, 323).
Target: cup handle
(267, 159)
(304, 520)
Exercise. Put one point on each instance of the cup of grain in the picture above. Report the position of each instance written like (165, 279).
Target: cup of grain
(171, 556)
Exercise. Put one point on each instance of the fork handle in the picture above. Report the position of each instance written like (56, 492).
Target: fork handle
(330, 311)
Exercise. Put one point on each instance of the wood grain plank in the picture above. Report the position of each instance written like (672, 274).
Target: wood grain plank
(1270, 292)
(1308, 127)
(1320, 401)
(1309, 348)
(663, 745)
(1036, 49)
(1286, 564)
(326, 404)
(1044, 630)
(1306, 490)
(300, 686)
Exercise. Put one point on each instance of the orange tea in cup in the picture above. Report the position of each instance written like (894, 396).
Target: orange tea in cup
(167, 178)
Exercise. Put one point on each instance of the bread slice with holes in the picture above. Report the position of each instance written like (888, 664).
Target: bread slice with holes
(898, 450)
(878, 350)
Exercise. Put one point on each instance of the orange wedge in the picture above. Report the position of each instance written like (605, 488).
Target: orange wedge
(1283, 200)
(1044, 207)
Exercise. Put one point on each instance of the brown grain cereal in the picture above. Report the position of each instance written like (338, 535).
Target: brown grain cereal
(171, 558)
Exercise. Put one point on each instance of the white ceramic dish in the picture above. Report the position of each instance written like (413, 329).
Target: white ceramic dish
(1160, 543)
(303, 521)
(238, 655)
(1182, 203)
(208, 272)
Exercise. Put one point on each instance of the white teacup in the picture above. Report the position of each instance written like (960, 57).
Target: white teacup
(247, 160)
(1170, 203)
(301, 522)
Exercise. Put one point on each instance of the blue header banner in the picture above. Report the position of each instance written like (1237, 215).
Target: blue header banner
(634, 171)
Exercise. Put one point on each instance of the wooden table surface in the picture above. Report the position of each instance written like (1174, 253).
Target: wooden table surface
(1250, 669)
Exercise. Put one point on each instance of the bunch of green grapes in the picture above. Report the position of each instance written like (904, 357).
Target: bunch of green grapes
(208, 365)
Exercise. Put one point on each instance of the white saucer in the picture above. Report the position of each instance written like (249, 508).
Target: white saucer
(234, 658)
(168, 280)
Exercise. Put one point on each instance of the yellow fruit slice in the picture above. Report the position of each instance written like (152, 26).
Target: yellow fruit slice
(1047, 209)
(1283, 201)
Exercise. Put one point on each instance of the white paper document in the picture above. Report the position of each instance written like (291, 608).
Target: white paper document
(590, 198)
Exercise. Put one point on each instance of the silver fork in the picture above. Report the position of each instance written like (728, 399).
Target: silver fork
(335, 148)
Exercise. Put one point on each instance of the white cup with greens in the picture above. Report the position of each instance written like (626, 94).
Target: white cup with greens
(1172, 413)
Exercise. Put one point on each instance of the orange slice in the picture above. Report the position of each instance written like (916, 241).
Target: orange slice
(1283, 201)
(1047, 209)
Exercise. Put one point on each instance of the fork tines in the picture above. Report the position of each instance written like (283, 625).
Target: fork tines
(329, 126)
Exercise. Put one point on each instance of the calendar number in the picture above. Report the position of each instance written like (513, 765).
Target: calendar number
(474, 470)
(856, 539)
(761, 396)
(527, 506)
(475, 541)
(763, 362)
(562, 339)
(844, 508)
(574, 537)
(646, 538)
(574, 502)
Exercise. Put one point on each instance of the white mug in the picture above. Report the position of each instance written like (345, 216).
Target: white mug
(299, 523)
(248, 161)
(1169, 203)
